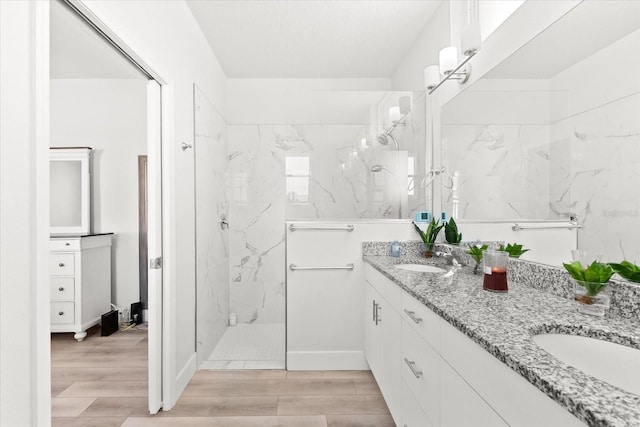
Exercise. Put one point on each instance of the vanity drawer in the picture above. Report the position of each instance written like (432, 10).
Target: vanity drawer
(62, 288)
(59, 245)
(421, 371)
(62, 313)
(412, 413)
(61, 264)
(424, 321)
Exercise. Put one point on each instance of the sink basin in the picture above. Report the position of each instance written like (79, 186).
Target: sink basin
(616, 364)
(421, 268)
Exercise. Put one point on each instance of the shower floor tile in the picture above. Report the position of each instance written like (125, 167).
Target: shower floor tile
(249, 346)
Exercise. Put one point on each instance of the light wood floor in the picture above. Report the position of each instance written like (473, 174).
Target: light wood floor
(102, 382)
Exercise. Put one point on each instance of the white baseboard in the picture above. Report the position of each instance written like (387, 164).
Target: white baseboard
(326, 360)
(185, 375)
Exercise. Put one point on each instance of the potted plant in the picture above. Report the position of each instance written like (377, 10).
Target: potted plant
(476, 253)
(628, 270)
(429, 237)
(515, 250)
(589, 284)
(451, 233)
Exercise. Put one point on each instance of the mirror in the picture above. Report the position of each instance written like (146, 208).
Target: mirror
(553, 132)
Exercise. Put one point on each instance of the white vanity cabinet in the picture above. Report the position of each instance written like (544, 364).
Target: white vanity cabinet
(383, 346)
(447, 380)
(80, 282)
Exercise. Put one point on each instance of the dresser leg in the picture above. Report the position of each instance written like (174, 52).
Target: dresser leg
(80, 336)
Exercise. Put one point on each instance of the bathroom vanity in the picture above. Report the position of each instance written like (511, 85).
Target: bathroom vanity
(447, 353)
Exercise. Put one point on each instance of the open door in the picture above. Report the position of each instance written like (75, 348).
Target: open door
(154, 244)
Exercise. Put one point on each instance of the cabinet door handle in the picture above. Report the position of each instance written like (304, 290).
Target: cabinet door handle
(60, 313)
(412, 366)
(67, 244)
(373, 307)
(61, 289)
(61, 264)
(412, 316)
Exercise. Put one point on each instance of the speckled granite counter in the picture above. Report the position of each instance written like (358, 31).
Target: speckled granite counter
(503, 324)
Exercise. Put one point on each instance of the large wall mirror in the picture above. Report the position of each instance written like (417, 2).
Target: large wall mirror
(553, 131)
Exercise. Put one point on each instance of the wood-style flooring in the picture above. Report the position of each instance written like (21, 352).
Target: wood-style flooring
(102, 382)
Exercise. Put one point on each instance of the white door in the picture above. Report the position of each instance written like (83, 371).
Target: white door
(154, 244)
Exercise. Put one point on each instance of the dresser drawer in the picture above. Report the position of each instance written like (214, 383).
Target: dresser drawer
(61, 264)
(62, 288)
(59, 245)
(62, 313)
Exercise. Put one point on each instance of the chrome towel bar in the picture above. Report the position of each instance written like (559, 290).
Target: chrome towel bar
(349, 266)
(570, 226)
(348, 227)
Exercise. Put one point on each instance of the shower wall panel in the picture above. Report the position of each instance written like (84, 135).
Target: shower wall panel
(212, 240)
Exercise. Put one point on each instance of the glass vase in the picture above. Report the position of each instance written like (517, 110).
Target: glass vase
(591, 298)
(430, 250)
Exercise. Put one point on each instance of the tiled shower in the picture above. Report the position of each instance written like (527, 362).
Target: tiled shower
(279, 172)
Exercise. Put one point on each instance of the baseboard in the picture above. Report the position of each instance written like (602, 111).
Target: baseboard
(326, 360)
(183, 378)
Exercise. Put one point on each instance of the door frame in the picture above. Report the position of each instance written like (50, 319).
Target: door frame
(95, 14)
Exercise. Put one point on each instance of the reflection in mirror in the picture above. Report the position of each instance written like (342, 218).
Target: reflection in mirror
(554, 131)
(66, 193)
(370, 169)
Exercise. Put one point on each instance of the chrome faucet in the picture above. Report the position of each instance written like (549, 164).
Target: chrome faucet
(451, 258)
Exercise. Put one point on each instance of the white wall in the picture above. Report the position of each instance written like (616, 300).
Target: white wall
(108, 115)
(174, 46)
(24, 216)
(409, 75)
(302, 101)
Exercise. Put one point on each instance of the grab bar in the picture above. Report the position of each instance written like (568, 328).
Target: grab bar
(349, 266)
(518, 227)
(348, 227)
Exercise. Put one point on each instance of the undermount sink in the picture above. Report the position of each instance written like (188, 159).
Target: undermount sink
(616, 364)
(422, 268)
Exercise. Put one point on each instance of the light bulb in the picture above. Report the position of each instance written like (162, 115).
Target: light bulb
(448, 59)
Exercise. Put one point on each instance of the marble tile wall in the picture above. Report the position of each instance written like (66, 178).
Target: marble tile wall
(595, 173)
(504, 170)
(340, 186)
(212, 242)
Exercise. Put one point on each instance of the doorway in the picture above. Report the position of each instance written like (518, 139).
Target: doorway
(103, 99)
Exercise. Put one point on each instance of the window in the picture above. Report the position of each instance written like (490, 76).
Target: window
(298, 175)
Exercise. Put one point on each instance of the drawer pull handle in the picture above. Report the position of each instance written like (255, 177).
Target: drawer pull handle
(412, 316)
(67, 244)
(61, 289)
(412, 366)
(61, 264)
(61, 313)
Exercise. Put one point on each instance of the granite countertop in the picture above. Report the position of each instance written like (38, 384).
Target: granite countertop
(504, 323)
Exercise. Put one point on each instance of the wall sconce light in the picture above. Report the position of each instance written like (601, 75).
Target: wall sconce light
(449, 66)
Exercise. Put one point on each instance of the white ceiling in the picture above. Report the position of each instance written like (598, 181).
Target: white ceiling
(311, 38)
(589, 27)
(78, 52)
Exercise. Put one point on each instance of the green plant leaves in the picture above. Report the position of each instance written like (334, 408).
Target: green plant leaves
(515, 250)
(429, 237)
(597, 272)
(451, 232)
(476, 252)
(628, 270)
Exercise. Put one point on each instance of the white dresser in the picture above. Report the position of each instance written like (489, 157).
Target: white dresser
(80, 280)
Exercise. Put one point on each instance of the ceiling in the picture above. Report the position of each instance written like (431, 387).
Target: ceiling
(589, 27)
(311, 38)
(79, 52)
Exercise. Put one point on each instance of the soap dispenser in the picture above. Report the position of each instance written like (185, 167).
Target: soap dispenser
(395, 248)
